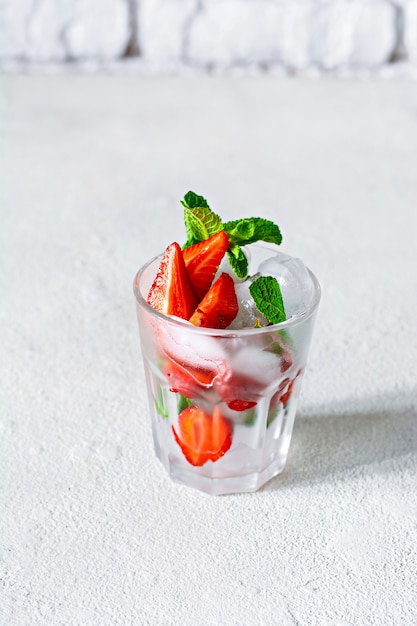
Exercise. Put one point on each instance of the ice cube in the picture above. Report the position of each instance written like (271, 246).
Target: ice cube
(294, 279)
(248, 315)
(254, 363)
(190, 349)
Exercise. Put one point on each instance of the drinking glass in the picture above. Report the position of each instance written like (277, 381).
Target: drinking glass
(222, 402)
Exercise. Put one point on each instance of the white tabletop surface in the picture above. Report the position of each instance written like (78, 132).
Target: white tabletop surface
(93, 532)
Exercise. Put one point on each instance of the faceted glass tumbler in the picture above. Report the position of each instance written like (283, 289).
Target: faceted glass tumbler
(222, 402)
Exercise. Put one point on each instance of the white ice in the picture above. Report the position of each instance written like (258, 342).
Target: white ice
(248, 315)
(294, 279)
(252, 361)
(190, 348)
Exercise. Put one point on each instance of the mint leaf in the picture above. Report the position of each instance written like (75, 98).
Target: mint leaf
(280, 342)
(183, 403)
(241, 231)
(200, 221)
(245, 231)
(200, 224)
(192, 200)
(272, 415)
(238, 261)
(251, 229)
(160, 404)
(266, 293)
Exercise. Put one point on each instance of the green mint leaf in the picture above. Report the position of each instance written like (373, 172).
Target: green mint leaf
(160, 404)
(183, 403)
(272, 415)
(241, 231)
(251, 229)
(249, 417)
(266, 293)
(238, 261)
(199, 220)
(200, 224)
(280, 342)
(192, 201)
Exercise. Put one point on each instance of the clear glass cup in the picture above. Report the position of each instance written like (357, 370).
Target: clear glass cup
(222, 402)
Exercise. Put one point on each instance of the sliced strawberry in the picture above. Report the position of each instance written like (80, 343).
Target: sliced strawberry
(221, 435)
(219, 306)
(276, 398)
(238, 390)
(180, 381)
(286, 396)
(202, 437)
(171, 292)
(286, 361)
(202, 261)
(186, 381)
(241, 405)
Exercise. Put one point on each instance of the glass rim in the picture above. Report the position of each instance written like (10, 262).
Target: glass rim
(225, 332)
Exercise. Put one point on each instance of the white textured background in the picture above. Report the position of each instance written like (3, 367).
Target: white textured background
(293, 35)
(92, 532)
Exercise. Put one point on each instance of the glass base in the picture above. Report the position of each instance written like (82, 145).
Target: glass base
(258, 453)
(227, 485)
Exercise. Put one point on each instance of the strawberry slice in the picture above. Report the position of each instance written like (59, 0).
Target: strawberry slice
(188, 382)
(219, 306)
(202, 261)
(202, 437)
(287, 395)
(286, 361)
(276, 398)
(171, 292)
(241, 405)
(180, 381)
(238, 390)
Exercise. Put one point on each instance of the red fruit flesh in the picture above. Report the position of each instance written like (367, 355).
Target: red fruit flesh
(287, 395)
(241, 405)
(238, 391)
(276, 398)
(202, 437)
(188, 382)
(286, 361)
(202, 261)
(219, 306)
(171, 292)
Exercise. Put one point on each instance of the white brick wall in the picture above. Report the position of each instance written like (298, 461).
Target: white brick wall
(294, 34)
(63, 30)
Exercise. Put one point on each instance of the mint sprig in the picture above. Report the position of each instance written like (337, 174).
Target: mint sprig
(251, 229)
(237, 260)
(244, 232)
(183, 403)
(192, 201)
(267, 296)
(201, 223)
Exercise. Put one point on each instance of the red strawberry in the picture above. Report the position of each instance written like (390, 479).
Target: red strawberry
(241, 405)
(202, 437)
(219, 306)
(171, 292)
(286, 361)
(202, 261)
(180, 381)
(286, 396)
(238, 391)
(276, 398)
(187, 381)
